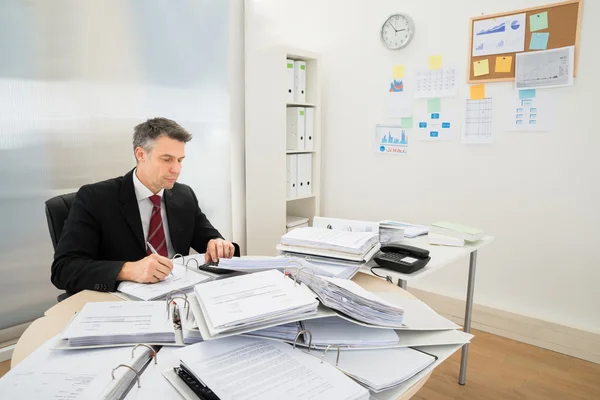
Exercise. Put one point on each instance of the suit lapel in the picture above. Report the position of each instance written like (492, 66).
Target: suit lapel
(176, 218)
(130, 209)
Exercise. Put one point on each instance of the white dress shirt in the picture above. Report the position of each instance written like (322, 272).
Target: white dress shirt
(142, 193)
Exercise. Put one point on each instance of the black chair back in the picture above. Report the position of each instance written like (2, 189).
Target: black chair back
(57, 211)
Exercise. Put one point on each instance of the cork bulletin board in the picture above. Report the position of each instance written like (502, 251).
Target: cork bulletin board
(495, 39)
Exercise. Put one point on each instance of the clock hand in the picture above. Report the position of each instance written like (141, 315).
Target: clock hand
(393, 27)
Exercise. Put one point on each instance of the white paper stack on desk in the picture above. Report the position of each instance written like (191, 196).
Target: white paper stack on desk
(253, 300)
(285, 332)
(353, 301)
(119, 323)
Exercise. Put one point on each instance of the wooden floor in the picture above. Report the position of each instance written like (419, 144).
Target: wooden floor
(503, 369)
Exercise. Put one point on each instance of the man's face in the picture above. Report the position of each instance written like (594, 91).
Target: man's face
(161, 166)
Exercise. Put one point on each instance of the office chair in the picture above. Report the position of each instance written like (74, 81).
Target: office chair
(57, 211)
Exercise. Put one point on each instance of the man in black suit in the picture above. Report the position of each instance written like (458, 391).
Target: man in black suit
(128, 228)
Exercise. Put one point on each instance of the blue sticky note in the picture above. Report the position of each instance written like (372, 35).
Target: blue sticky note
(446, 125)
(539, 41)
(527, 94)
(433, 134)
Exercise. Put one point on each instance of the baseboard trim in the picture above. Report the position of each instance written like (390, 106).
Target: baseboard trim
(559, 338)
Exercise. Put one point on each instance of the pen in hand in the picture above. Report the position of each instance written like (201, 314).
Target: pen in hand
(153, 250)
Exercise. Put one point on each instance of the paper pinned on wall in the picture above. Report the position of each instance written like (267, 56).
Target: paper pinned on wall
(435, 62)
(439, 83)
(532, 114)
(434, 105)
(481, 67)
(503, 64)
(477, 92)
(398, 71)
(538, 22)
(478, 127)
(406, 122)
(499, 35)
(434, 128)
(545, 69)
(391, 139)
(399, 104)
(539, 41)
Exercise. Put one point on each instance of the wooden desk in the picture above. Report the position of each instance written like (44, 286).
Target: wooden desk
(56, 318)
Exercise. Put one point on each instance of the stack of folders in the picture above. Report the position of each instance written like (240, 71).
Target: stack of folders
(182, 279)
(119, 323)
(349, 244)
(341, 332)
(83, 374)
(287, 332)
(253, 368)
(409, 230)
(353, 301)
(453, 230)
(325, 266)
(253, 300)
(390, 233)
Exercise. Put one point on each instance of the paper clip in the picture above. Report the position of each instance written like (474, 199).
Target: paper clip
(152, 352)
(131, 368)
(337, 360)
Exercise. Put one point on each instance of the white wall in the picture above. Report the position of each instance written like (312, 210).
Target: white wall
(537, 193)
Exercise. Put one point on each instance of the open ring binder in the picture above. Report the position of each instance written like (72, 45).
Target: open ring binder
(288, 264)
(186, 304)
(131, 368)
(309, 338)
(152, 351)
(175, 291)
(298, 273)
(194, 260)
(337, 360)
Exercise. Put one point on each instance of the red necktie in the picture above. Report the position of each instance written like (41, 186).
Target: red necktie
(156, 233)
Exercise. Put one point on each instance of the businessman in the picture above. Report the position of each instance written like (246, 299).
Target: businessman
(128, 228)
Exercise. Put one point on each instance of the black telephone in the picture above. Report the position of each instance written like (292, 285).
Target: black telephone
(401, 258)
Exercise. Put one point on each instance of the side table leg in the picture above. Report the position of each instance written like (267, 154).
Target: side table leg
(402, 283)
(468, 311)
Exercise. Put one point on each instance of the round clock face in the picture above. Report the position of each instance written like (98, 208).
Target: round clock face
(397, 31)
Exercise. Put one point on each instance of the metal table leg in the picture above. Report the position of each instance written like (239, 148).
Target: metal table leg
(468, 311)
(402, 283)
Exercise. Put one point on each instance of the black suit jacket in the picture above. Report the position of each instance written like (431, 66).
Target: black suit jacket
(104, 230)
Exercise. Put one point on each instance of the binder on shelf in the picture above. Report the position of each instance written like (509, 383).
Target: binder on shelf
(309, 129)
(292, 222)
(295, 128)
(299, 82)
(304, 184)
(291, 175)
(290, 80)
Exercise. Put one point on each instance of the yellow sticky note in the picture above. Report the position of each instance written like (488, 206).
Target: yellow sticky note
(503, 64)
(481, 67)
(477, 92)
(398, 71)
(435, 62)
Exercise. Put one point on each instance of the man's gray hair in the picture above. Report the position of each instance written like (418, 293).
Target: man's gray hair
(147, 132)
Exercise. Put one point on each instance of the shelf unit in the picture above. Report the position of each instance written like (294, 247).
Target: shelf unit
(267, 204)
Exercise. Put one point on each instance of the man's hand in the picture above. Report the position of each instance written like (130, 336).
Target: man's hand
(218, 248)
(151, 269)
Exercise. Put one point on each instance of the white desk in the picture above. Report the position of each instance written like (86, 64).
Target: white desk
(441, 256)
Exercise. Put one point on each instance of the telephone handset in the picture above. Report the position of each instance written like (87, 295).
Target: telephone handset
(401, 258)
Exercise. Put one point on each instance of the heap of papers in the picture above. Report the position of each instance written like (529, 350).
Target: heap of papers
(336, 330)
(252, 368)
(458, 231)
(283, 332)
(351, 243)
(120, 322)
(353, 301)
(182, 279)
(409, 230)
(379, 370)
(253, 300)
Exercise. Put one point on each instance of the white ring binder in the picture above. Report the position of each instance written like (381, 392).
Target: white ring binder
(186, 304)
(188, 261)
(298, 273)
(131, 368)
(309, 338)
(175, 291)
(152, 351)
(337, 360)
(288, 264)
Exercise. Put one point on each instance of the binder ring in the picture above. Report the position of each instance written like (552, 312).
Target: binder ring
(175, 291)
(175, 256)
(131, 368)
(288, 264)
(337, 360)
(298, 273)
(186, 304)
(152, 352)
(309, 338)
(194, 260)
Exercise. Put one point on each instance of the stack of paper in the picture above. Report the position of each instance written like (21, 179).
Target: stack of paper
(336, 330)
(253, 300)
(182, 279)
(443, 240)
(381, 369)
(458, 231)
(410, 230)
(353, 301)
(121, 322)
(325, 266)
(356, 244)
(284, 332)
(252, 368)
(82, 374)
